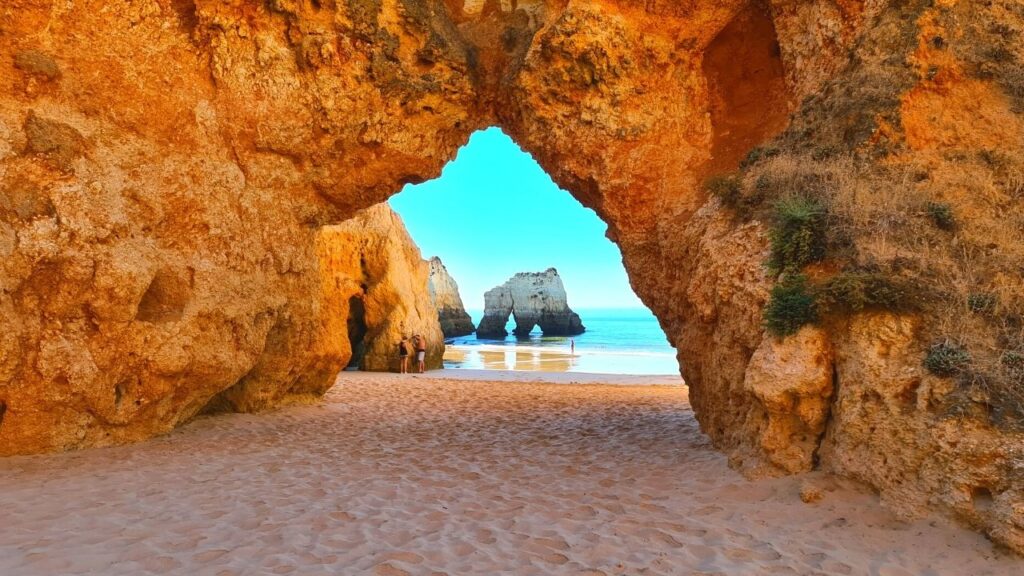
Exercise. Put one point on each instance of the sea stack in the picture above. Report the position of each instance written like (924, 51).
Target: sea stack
(533, 298)
(444, 293)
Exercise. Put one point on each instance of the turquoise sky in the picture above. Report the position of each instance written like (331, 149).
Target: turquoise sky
(494, 212)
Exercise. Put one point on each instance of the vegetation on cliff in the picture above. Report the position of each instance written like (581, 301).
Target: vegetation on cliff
(875, 198)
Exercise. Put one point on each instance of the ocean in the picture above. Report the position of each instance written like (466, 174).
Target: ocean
(617, 341)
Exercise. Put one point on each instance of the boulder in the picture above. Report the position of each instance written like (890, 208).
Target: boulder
(533, 298)
(444, 293)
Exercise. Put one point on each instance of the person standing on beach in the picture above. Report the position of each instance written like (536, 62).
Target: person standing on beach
(421, 351)
(404, 350)
(572, 346)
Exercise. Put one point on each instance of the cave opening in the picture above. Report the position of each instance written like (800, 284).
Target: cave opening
(542, 286)
(748, 98)
(357, 329)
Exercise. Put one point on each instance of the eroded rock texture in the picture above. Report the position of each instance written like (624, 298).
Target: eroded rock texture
(381, 283)
(372, 290)
(444, 292)
(167, 165)
(533, 299)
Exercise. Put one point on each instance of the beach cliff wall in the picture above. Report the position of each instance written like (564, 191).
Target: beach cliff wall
(372, 291)
(533, 299)
(444, 292)
(381, 283)
(819, 200)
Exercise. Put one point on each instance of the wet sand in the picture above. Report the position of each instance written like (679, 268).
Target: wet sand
(438, 475)
(529, 357)
(556, 377)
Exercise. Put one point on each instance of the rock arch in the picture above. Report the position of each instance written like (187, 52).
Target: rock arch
(533, 299)
(252, 124)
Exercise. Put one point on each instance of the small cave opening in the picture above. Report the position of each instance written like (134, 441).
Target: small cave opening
(187, 14)
(3, 412)
(166, 297)
(748, 98)
(123, 394)
(356, 330)
(982, 499)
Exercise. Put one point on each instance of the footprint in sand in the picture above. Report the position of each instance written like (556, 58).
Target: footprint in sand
(406, 557)
(553, 543)
(555, 558)
(707, 510)
(836, 567)
(389, 570)
(208, 556)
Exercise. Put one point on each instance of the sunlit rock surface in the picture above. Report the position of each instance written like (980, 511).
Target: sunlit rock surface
(381, 285)
(444, 292)
(533, 299)
(166, 168)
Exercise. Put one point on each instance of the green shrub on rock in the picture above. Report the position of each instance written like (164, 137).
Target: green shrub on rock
(726, 187)
(981, 303)
(797, 235)
(853, 292)
(946, 359)
(757, 154)
(1013, 362)
(791, 307)
(730, 190)
(942, 215)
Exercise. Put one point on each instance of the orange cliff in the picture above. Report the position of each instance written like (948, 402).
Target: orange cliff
(379, 281)
(167, 169)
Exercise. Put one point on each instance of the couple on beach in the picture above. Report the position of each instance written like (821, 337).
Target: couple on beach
(405, 348)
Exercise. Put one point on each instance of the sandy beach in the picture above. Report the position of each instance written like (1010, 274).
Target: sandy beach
(435, 474)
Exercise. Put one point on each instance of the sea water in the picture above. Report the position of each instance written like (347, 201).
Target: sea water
(617, 341)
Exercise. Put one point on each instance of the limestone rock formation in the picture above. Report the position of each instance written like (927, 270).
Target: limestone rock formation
(166, 166)
(444, 292)
(533, 298)
(373, 290)
(792, 381)
(382, 281)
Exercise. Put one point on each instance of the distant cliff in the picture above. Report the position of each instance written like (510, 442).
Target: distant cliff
(444, 293)
(533, 298)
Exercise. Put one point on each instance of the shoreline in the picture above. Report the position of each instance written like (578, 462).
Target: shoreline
(560, 378)
(559, 359)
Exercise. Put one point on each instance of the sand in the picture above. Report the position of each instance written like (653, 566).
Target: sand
(428, 475)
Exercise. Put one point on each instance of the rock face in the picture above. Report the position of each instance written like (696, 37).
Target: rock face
(533, 298)
(166, 168)
(444, 293)
(373, 289)
(381, 284)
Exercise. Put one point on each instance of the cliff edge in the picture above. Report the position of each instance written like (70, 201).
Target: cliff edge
(444, 293)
